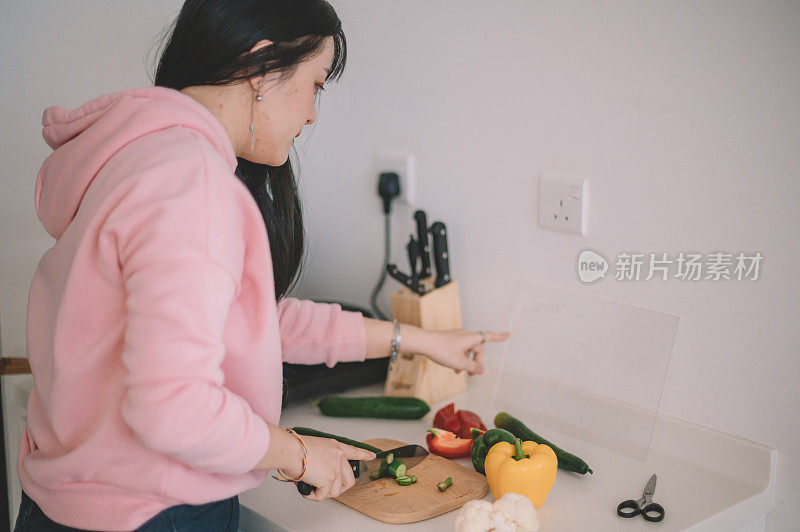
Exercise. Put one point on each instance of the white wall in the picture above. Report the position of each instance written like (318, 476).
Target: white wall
(685, 117)
(55, 53)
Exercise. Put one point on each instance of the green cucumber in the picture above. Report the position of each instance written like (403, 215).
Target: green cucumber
(397, 468)
(406, 481)
(445, 484)
(390, 467)
(303, 431)
(566, 461)
(379, 407)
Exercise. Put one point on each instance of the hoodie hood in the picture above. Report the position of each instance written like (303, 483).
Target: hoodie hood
(84, 139)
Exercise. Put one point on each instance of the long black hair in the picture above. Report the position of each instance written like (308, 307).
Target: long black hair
(210, 44)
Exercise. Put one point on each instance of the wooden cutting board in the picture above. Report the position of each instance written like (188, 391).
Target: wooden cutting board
(389, 502)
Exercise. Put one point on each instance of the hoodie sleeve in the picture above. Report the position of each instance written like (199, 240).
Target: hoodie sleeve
(179, 291)
(317, 333)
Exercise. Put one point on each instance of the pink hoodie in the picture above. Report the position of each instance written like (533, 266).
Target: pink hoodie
(152, 330)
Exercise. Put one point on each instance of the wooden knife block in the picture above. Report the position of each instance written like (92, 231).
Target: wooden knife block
(417, 375)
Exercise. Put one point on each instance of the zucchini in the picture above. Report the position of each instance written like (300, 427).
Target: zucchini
(379, 407)
(303, 431)
(566, 461)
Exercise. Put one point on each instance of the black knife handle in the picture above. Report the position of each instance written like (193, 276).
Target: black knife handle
(403, 279)
(440, 256)
(305, 488)
(413, 257)
(424, 246)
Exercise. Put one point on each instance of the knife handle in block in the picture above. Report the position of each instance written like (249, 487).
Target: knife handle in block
(424, 247)
(440, 255)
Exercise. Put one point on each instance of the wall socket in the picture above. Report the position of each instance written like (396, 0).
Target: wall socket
(563, 203)
(402, 163)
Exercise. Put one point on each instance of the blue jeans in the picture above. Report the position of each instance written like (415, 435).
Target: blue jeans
(220, 516)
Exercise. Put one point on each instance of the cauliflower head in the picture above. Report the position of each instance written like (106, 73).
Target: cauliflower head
(518, 509)
(475, 516)
(511, 513)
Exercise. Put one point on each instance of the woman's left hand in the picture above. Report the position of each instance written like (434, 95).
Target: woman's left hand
(454, 348)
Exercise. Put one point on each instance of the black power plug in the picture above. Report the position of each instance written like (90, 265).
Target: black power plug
(388, 189)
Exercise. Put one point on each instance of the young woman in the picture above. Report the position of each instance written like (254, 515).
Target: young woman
(158, 322)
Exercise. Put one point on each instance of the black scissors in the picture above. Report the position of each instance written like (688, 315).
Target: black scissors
(650, 510)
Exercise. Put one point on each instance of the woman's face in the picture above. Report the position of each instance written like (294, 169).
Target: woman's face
(287, 105)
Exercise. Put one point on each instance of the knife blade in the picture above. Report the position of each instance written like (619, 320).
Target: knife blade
(440, 256)
(424, 247)
(410, 454)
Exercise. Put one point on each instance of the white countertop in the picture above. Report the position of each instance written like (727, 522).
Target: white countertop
(707, 480)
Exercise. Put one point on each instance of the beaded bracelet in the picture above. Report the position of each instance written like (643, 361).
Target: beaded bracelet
(287, 478)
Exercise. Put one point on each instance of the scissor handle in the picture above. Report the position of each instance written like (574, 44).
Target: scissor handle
(653, 512)
(629, 508)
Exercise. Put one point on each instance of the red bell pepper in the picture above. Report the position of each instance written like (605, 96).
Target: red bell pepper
(469, 420)
(459, 422)
(447, 419)
(447, 444)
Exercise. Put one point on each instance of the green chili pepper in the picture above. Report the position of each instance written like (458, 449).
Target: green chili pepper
(443, 485)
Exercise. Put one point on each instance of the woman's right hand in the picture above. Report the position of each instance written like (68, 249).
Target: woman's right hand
(328, 468)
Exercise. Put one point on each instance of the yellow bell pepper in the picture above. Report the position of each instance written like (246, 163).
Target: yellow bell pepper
(525, 468)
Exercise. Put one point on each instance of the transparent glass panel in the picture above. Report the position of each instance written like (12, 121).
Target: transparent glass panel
(586, 367)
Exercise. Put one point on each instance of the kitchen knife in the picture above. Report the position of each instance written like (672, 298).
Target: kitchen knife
(413, 257)
(424, 247)
(440, 256)
(404, 279)
(411, 455)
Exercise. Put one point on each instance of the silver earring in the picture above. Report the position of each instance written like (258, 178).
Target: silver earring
(252, 131)
(252, 138)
